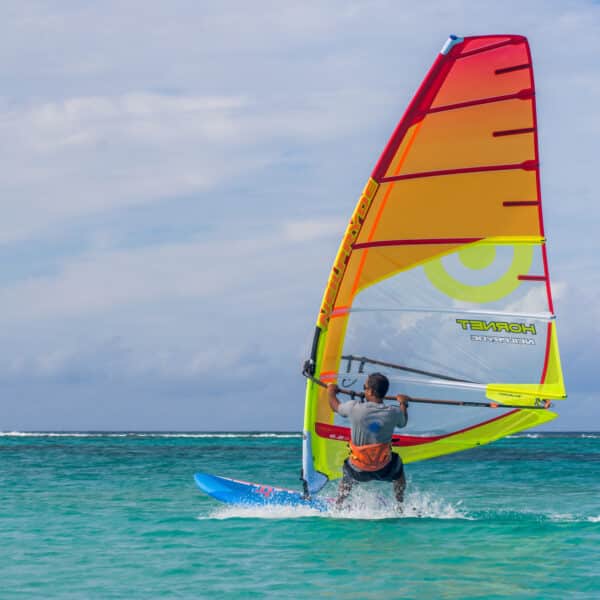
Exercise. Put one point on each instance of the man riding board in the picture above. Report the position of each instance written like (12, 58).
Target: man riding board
(372, 423)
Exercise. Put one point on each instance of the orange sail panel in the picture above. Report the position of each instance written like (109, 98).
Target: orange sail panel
(442, 272)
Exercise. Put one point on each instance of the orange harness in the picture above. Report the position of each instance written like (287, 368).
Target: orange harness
(371, 457)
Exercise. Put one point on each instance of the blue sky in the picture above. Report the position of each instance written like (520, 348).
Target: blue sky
(176, 178)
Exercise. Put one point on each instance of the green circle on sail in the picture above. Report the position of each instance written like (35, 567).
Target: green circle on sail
(477, 257)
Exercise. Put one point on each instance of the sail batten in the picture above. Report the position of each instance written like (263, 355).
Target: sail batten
(443, 267)
(525, 94)
(526, 165)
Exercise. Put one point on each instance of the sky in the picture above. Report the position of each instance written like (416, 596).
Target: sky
(176, 178)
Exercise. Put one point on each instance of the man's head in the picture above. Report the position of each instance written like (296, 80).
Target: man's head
(378, 384)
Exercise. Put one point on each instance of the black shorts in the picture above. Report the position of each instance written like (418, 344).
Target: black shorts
(392, 471)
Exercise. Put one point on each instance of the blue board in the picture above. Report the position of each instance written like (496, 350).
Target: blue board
(232, 491)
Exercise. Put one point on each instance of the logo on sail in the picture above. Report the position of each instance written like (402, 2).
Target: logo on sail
(525, 329)
(497, 326)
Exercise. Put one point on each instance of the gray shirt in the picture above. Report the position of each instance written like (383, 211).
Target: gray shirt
(372, 423)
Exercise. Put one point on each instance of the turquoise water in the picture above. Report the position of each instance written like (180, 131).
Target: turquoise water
(118, 516)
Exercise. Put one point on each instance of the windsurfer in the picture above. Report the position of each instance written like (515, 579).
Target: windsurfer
(372, 423)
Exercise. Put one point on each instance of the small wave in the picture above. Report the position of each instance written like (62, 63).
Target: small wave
(570, 518)
(575, 518)
(114, 434)
(40, 434)
(513, 516)
(232, 435)
(556, 434)
(261, 512)
(561, 517)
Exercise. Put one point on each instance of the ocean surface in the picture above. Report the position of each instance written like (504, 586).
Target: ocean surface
(118, 516)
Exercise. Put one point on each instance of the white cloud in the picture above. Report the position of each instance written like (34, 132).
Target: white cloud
(90, 155)
(143, 117)
(103, 281)
(312, 229)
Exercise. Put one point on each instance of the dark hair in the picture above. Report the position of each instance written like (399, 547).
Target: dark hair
(378, 383)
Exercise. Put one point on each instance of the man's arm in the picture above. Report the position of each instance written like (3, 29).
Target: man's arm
(403, 402)
(332, 390)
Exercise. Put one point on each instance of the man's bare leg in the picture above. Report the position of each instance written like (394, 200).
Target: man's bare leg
(344, 489)
(399, 487)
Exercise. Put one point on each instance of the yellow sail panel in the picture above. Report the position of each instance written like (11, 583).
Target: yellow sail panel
(455, 205)
(331, 447)
(475, 135)
(551, 387)
(484, 434)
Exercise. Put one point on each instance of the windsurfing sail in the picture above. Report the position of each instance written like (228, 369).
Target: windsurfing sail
(441, 281)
